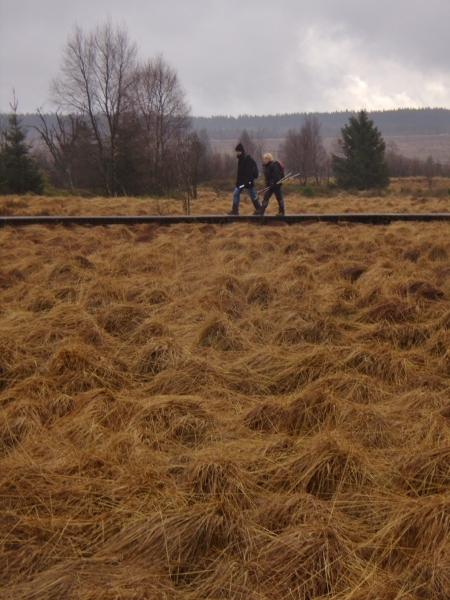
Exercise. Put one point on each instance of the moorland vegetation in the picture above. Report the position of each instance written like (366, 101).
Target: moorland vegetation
(225, 412)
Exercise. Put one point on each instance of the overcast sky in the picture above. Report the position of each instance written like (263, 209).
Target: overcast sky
(249, 56)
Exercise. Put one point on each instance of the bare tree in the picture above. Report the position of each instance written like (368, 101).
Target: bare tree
(248, 143)
(162, 114)
(317, 153)
(189, 157)
(293, 155)
(304, 152)
(61, 139)
(398, 165)
(95, 82)
(259, 141)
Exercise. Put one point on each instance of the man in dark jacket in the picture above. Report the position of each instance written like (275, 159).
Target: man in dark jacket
(244, 180)
(272, 174)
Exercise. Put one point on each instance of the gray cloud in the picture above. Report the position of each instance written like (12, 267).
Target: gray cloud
(250, 56)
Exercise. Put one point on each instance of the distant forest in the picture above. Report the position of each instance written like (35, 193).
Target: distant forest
(402, 121)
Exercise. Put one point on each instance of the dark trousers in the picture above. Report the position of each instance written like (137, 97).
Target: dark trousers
(275, 189)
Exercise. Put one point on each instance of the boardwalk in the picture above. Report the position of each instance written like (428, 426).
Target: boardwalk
(368, 218)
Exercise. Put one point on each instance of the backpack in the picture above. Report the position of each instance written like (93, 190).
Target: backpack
(255, 170)
(281, 167)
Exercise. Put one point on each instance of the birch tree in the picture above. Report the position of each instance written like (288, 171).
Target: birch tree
(95, 82)
(162, 114)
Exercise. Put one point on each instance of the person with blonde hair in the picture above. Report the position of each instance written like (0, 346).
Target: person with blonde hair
(273, 173)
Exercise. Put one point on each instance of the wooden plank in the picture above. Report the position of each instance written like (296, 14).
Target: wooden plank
(368, 218)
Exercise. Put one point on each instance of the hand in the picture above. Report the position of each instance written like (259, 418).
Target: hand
(241, 186)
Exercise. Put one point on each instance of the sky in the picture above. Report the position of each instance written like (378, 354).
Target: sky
(254, 57)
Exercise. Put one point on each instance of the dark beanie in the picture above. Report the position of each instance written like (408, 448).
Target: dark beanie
(239, 148)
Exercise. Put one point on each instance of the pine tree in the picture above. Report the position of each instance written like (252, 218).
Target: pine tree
(363, 164)
(18, 170)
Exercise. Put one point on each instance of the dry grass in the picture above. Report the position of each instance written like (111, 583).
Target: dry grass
(403, 195)
(225, 412)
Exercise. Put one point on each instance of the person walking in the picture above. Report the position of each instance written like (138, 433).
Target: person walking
(244, 180)
(272, 174)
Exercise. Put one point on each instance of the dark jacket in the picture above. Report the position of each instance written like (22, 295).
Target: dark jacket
(272, 173)
(245, 171)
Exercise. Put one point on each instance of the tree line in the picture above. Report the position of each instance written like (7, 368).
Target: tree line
(123, 127)
(402, 121)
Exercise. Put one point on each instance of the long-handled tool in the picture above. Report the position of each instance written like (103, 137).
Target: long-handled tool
(288, 176)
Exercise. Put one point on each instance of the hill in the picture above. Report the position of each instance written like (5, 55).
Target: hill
(403, 122)
(424, 121)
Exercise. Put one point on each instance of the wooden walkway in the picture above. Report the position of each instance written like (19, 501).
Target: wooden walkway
(367, 218)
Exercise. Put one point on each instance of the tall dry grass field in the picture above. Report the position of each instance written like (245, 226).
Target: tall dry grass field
(224, 412)
(406, 195)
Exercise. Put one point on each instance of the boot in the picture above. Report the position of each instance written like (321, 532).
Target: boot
(233, 212)
(264, 205)
(280, 212)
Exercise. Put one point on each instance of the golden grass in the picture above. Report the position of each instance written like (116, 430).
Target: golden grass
(403, 195)
(225, 412)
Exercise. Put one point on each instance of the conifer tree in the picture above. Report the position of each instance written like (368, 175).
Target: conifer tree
(19, 172)
(363, 164)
